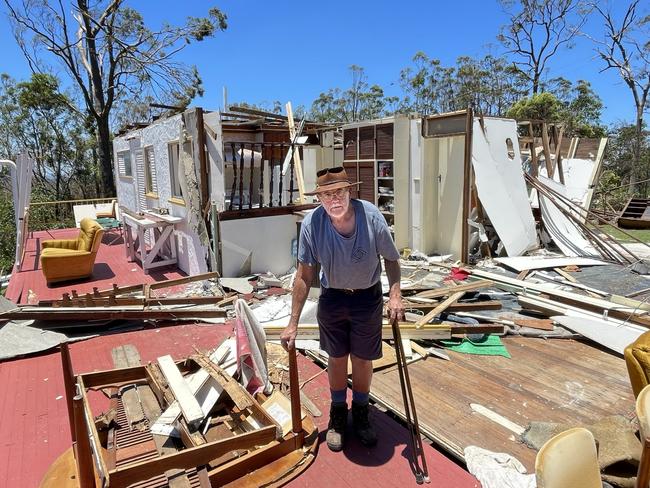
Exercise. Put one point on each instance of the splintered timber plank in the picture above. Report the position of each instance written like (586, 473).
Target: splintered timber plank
(188, 403)
(449, 290)
(111, 313)
(408, 330)
(440, 308)
(231, 386)
(459, 306)
(163, 393)
(128, 301)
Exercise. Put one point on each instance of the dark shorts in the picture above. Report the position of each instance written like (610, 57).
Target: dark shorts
(350, 322)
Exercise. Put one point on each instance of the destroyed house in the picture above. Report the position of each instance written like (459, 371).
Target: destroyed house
(450, 183)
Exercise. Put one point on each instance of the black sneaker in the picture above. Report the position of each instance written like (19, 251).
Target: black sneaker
(362, 427)
(336, 427)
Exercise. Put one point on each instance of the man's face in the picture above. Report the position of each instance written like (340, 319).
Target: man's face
(335, 202)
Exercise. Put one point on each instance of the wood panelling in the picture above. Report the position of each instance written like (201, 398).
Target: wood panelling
(367, 142)
(367, 179)
(353, 175)
(384, 138)
(350, 142)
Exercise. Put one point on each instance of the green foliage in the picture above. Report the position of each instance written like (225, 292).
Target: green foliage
(610, 195)
(36, 117)
(582, 108)
(7, 229)
(620, 157)
(577, 107)
(542, 106)
(489, 84)
(359, 102)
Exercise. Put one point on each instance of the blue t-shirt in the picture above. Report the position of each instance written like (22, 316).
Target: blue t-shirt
(347, 262)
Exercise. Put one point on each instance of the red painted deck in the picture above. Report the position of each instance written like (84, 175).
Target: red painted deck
(34, 428)
(111, 267)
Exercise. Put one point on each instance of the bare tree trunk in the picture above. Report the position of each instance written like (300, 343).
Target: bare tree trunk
(536, 78)
(105, 156)
(636, 151)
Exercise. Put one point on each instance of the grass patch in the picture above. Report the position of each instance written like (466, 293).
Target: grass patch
(615, 232)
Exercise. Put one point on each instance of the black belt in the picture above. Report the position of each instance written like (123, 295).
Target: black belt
(352, 291)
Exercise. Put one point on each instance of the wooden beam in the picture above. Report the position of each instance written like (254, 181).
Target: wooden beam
(296, 154)
(182, 281)
(82, 449)
(294, 390)
(186, 400)
(558, 156)
(113, 376)
(408, 330)
(188, 458)
(448, 290)
(440, 308)
(459, 306)
(232, 387)
(108, 313)
(547, 151)
(68, 382)
(91, 431)
(264, 212)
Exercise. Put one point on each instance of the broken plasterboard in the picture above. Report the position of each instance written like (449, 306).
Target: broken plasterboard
(610, 335)
(564, 232)
(522, 263)
(500, 183)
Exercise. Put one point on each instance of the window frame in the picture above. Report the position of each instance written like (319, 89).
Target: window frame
(126, 156)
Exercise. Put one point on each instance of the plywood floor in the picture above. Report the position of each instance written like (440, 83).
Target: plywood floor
(555, 380)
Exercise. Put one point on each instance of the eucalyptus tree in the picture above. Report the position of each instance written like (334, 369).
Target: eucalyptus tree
(110, 54)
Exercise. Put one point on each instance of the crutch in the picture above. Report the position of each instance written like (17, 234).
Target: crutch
(419, 460)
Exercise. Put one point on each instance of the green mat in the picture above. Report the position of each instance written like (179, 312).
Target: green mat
(488, 345)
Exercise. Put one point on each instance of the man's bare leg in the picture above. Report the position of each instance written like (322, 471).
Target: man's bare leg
(361, 374)
(337, 371)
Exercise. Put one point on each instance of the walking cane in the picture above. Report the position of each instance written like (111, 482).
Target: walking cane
(419, 461)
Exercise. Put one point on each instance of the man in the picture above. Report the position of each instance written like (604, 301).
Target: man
(346, 237)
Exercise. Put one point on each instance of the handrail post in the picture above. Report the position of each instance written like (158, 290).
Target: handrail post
(294, 390)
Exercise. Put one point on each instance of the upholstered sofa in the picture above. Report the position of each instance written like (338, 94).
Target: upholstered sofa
(71, 259)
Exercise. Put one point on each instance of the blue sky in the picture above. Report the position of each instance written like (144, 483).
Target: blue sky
(281, 50)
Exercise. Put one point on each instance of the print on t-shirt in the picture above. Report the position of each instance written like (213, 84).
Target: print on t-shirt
(357, 254)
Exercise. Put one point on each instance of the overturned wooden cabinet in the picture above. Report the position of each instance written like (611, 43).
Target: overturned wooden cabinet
(239, 441)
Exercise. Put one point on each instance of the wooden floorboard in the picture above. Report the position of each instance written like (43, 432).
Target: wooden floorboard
(555, 380)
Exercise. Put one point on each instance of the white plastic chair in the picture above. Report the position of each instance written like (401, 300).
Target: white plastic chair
(568, 460)
(643, 414)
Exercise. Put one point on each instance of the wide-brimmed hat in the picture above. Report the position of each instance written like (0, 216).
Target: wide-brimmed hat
(330, 179)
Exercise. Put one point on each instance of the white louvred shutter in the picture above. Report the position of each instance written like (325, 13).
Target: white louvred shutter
(120, 164)
(152, 168)
(140, 187)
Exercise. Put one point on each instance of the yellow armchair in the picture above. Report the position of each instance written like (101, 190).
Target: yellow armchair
(637, 360)
(70, 259)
